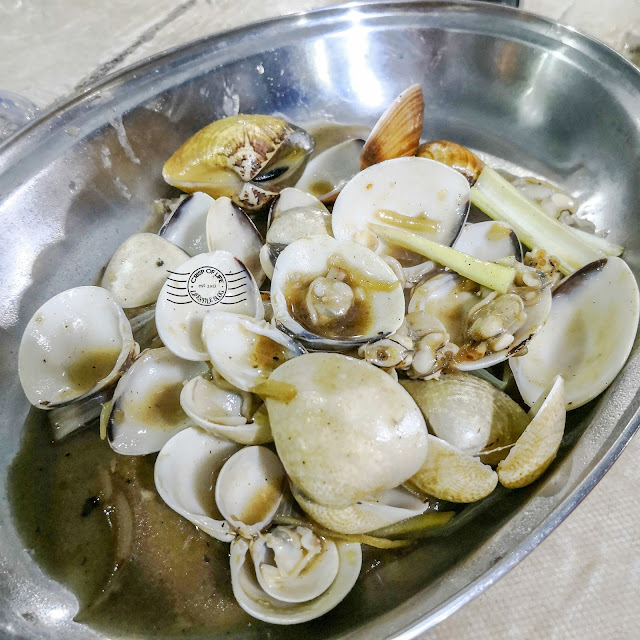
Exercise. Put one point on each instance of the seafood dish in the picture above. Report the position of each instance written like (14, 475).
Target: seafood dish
(327, 348)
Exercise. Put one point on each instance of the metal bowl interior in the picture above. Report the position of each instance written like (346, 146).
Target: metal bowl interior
(75, 183)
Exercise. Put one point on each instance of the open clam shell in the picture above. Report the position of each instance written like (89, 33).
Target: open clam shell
(76, 344)
(145, 409)
(450, 474)
(417, 194)
(292, 198)
(327, 173)
(467, 412)
(225, 411)
(249, 489)
(246, 351)
(397, 132)
(255, 601)
(185, 472)
(385, 509)
(587, 337)
(205, 282)
(351, 431)
(229, 228)
(246, 157)
(489, 241)
(139, 267)
(332, 295)
(537, 447)
(186, 226)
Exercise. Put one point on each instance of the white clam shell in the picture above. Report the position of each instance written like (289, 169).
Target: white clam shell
(246, 351)
(351, 430)
(146, 410)
(587, 337)
(229, 228)
(205, 282)
(327, 173)
(489, 241)
(303, 566)
(255, 601)
(220, 411)
(292, 198)
(537, 447)
(75, 344)
(186, 227)
(409, 187)
(388, 508)
(139, 267)
(249, 489)
(185, 472)
(306, 259)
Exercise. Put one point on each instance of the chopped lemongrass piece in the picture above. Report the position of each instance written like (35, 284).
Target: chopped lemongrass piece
(415, 524)
(500, 200)
(105, 414)
(483, 374)
(598, 243)
(488, 274)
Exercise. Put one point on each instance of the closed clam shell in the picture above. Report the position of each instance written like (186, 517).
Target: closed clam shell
(537, 447)
(450, 474)
(76, 344)
(185, 471)
(454, 155)
(186, 226)
(467, 412)
(223, 158)
(350, 431)
(365, 515)
(255, 601)
(139, 267)
(397, 132)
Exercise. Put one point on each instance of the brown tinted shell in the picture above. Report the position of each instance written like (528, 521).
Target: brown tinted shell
(454, 155)
(397, 132)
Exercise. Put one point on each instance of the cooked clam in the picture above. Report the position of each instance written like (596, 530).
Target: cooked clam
(230, 229)
(326, 174)
(538, 446)
(350, 432)
(225, 411)
(453, 155)
(76, 344)
(247, 158)
(186, 226)
(245, 351)
(417, 194)
(186, 469)
(139, 267)
(291, 564)
(397, 132)
(489, 241)
(205, 282)
(145, 411)
(587, 337)
(334, 294)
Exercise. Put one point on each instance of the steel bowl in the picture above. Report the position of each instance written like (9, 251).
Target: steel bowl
(535, 93)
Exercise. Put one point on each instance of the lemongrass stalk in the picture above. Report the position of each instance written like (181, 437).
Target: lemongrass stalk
(500, 200)
(488, 274)
(412, 525)
(598, 243)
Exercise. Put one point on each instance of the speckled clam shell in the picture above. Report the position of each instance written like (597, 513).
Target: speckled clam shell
(467, 412)
(538, 446)
(223, 158)
(397, 132)
(449, 474)
(454, 155)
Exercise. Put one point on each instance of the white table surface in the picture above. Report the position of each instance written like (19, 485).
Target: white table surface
(583, 582)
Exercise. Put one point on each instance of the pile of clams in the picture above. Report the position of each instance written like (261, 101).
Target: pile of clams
(320, 349)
